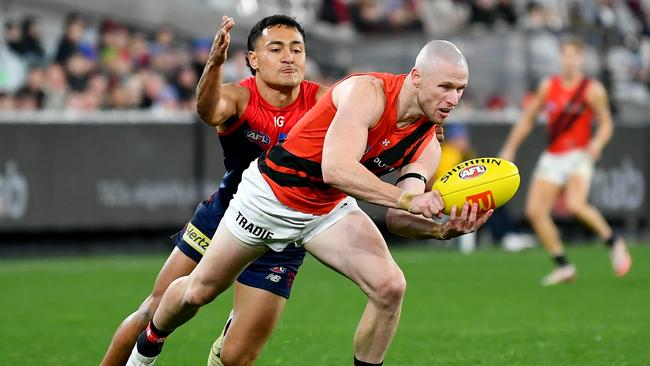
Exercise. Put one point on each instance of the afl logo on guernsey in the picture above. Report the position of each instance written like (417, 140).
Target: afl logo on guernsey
(472, 171)
(258, 137)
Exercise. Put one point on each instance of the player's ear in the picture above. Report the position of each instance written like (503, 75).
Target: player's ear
(252, 59)
(416, 77)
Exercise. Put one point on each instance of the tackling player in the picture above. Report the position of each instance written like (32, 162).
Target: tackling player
(250, 117)
(300, 191)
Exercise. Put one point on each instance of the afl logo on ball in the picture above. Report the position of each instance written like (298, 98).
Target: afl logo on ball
(472, 171)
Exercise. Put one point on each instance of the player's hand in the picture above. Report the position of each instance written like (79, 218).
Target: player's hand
(219, 49)
(428, 204)
(440, 132)
(507, 154)
(468, 221)
(594, 151)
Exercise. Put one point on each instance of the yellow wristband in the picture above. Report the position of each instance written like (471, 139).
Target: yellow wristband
(404, 201)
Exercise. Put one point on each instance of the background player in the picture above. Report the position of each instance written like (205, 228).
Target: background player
(570, 100)
(250, 117)
(367, 125)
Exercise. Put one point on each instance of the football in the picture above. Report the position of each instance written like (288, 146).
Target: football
(489, 182)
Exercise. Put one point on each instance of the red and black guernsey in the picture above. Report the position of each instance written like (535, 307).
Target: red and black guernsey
(293, 168)
(569, 116)
(256, 131)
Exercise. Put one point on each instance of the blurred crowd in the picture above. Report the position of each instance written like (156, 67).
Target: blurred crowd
(111, 65)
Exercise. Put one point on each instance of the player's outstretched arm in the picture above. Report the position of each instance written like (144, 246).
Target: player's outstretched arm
(419, 227)
(598, 101)
(215, 102)
(360, 103)
(525, 124)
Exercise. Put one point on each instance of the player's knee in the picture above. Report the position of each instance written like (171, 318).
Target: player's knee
(575, 206)
(388, 290)
(534, 211)
(238, 356)
(199, 294)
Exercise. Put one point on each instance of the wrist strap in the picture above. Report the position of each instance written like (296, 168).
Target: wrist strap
(412, 175)
(404, 201)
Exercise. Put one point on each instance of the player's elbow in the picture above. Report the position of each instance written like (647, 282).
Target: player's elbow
(206, 114)
(333, 173)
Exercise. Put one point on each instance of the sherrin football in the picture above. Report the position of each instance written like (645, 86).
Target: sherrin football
(489, 182)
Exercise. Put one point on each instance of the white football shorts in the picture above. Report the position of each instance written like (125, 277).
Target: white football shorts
(256, 217)
(558, 167)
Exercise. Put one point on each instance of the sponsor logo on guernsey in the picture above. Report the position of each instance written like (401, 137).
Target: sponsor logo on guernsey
(255, 230)
(465, 164)
(273, 277)
(485, 200)
(386, 142)
(195, 238)
(258, 137)
(278, 269)
(472, 171)
(381, 164)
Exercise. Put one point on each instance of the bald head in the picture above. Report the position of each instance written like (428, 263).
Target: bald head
(436, 51)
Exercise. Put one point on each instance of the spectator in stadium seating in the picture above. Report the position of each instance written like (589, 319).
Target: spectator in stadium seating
(7, 102)
(70, 42)
(56, 87)
(571, 100)
(298, 191)
(31, 49)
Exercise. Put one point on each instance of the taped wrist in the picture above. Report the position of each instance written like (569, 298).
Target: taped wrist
(404, 201)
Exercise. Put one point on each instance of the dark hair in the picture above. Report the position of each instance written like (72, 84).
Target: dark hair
(270, 21)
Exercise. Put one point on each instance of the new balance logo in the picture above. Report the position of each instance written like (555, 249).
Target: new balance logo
(273, 277)
(260, 232)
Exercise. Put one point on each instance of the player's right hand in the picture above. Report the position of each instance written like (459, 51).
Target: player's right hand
(219, 49)
(427, 204)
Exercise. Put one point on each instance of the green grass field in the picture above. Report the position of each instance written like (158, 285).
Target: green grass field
(481, 309)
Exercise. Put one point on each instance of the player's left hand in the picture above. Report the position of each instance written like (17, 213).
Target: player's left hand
(594, 151)
(468, 221)
(440, 132)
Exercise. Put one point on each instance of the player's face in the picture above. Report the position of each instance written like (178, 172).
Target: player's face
(441, 89)
(571, 59)
(279, 56)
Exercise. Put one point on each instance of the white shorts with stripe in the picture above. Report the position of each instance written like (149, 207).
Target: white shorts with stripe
(256, 217)
(558, 167)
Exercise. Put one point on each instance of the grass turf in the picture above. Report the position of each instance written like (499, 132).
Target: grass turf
(481, 309)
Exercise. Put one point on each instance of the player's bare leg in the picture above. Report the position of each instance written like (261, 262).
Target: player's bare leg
(254, 316)
(542, 195)
(177, 265)
(222, 262)
(577, 190)
(354, 247)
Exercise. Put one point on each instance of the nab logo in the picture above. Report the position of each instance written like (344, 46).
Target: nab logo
(278, 121)
(472, 171)
(258, 137)
(485, 200)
